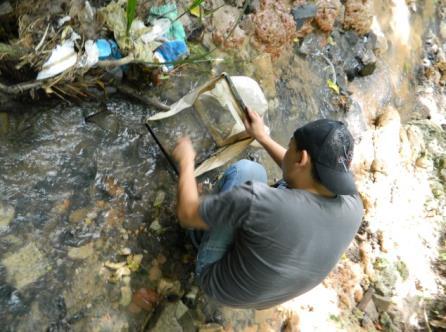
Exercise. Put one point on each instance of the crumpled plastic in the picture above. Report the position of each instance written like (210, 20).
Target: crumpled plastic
(168, 11)
(62, 58)
(116, 20)
(170, 52)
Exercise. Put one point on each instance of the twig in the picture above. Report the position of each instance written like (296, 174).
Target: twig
(43, 39)
(426, 319)
(329, 63)
(20, 88)
(116, 63)
(141, 97)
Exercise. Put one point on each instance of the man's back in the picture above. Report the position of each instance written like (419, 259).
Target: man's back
(287, 241)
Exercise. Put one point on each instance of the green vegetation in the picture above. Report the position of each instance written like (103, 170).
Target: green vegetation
(131, 12)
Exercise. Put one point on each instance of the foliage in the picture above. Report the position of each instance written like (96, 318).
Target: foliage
(131, 12)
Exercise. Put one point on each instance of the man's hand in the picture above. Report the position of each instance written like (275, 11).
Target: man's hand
(254, 126)
(184, 152)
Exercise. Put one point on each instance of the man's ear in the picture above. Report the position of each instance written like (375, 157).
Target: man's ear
(303, 158)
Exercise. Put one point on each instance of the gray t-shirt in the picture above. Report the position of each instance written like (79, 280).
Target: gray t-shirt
(286, 243)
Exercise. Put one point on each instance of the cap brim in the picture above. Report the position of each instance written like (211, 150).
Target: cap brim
(340, 183)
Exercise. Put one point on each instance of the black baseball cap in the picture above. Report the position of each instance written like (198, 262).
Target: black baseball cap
(330, 146)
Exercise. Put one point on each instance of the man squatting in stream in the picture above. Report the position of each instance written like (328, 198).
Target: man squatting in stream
(264, 245)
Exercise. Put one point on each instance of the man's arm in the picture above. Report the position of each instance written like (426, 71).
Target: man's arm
(188, 200)
(256, 129)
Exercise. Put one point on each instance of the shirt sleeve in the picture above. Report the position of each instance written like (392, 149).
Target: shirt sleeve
(231, 207)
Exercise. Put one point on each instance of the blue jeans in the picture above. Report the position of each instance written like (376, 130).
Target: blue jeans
(218, 240)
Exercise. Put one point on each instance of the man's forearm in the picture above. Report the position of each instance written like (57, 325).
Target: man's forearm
(274, 149)
(188, 199)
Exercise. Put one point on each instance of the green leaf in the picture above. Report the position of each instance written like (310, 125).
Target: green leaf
(131, 12)
(195, 3)
(332, 85)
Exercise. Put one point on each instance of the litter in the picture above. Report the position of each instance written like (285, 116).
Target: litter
(221, 112)
(159, 28)
(168, 11)
(62, 58)
(116, 20)
(170, 52)
(107, 49)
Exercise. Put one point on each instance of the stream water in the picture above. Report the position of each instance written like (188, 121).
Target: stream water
(74, 193)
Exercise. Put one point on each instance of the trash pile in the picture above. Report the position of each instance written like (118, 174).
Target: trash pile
(70, 49)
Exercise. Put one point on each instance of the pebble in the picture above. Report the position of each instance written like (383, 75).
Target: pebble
(6, 215)
(443, 30)
(212, 327)
(423, 162)
(443, 174)
(155, 226)
(170, 287)
(78, 215)
(145, 298)
(126, 296)
(81, 252)
(159, 199)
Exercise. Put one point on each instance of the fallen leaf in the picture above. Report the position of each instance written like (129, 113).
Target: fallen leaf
(114, 266)
(197, 11)
(332, 85)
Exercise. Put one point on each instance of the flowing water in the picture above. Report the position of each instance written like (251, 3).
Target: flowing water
(75, 193)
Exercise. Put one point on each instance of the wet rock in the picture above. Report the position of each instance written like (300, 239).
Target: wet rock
(155, 226)
(212, 327)
(326, 14)
(146, 299)
(125, 251)
(26, 266)
(155, 272)
(170, 288)
(115, 216)
(7, 213)
(353, 53)
(311, 44)
(159, 199)
(358, 16)
(387, 323)
(4, 123)
(169, 318)
(223, 21)
(81, 252)
(191, 297)
(84, 287)
(382, 303)
(5, 8)
(112, 187)
(110, 322)
(78, 215)
(302, 13)
(274, 27)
